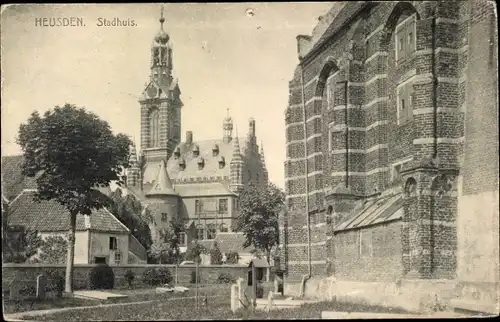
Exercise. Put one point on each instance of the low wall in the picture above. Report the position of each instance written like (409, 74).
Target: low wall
(412, 295)
(27, 273)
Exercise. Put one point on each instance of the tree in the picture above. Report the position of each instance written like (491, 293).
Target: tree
(258, 218)
(54, 250)
(167, 248)
(215, 254)
(71, 152)
(194, 251)
(128, 209)
(18, 243)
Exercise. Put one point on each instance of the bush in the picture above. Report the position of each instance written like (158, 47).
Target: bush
(225, 278)
(232, 258)
(56, 282)
(27, 291)
(150, 277)
(129, 277)
(215, 254)
(101, 277)
(164, 275)
(193, 277)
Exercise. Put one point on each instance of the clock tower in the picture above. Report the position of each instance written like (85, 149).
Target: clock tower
(160, 107)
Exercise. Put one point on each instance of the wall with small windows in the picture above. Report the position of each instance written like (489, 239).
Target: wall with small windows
(210, 215)
(113, 247)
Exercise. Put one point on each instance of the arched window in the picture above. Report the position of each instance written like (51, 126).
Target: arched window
(223, 228)
(154, 128)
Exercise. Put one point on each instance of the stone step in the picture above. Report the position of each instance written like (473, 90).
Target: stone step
(98, 295)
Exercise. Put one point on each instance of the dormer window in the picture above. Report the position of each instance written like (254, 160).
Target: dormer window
(196, 150)
(222, 162)
(177, 153)
(201, 163)
(215, 150)
(182, 164)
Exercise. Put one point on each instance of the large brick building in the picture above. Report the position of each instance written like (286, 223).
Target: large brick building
(392, 152)
(196, 180)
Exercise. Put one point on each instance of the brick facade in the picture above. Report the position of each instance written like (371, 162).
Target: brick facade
(421, 157)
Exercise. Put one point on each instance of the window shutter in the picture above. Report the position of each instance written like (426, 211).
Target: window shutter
(409, 94)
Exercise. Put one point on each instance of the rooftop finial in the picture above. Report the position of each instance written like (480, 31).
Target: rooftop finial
(162, 20)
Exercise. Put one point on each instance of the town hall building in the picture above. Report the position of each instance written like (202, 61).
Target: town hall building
(195, 180)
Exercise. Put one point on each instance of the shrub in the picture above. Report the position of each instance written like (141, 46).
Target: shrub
(224, 278)
(129, 277)
(215, 254)
(27, 291)
(232, 258)
(101, 277)
(193, 277)
(55, 283)
(150, 277)
(164, 275)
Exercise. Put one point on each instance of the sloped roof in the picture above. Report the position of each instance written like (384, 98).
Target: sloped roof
(346, 13)
(50, 216)
(258, 262)
(375, 212)
(203, 189)
(211, 163)
(13, 182)
(162, 185)
(232, 242)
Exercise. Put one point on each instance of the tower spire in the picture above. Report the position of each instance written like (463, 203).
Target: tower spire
(162, 19)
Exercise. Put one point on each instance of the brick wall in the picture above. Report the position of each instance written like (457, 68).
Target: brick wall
(27, 273)
(376, 141)
(369, 254)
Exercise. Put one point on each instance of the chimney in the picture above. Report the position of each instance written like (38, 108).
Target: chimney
(189, 137)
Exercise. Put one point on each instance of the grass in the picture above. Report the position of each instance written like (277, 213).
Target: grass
(217, 308)
(134, 295)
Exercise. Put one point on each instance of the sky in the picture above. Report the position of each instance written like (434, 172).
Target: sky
(223, 57)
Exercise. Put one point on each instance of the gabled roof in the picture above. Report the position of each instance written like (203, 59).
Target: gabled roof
(13, 182)
(50, 216)
(375, 212)
(348, 11)
(162, 186)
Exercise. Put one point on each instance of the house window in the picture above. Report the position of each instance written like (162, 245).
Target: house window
(405, 103)
(211, 231)
(330, 92)
(396, 173)
(118, 258)
(198, 207)
(405, 36)
(164, 217)
(330, 137)
(154, 128)
(223, 206)
(113, 245)
(223, 228)
(200, 232)
(182, 239)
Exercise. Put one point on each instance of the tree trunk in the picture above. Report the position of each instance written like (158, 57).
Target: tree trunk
(71, 254)
(268, 258)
